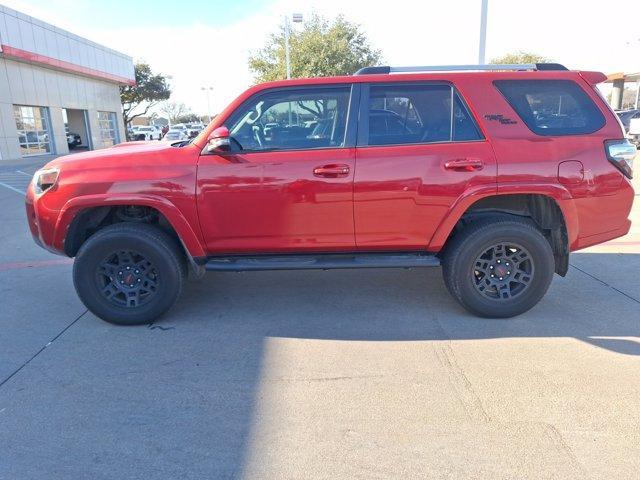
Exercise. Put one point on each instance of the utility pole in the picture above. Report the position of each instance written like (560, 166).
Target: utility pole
(483, 32)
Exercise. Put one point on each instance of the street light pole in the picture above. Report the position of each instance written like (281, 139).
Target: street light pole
(287, 52)
(297, 18)
(207, 91)
(483, 32)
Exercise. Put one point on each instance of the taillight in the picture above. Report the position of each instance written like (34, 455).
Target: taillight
(44, 179)
(621, 153)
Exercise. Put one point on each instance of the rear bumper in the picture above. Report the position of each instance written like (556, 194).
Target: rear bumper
(603, 218)
(584, 242)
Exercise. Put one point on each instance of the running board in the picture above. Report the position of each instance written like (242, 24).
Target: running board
(325, 261)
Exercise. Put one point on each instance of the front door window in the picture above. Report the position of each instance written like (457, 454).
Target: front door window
(301, 119)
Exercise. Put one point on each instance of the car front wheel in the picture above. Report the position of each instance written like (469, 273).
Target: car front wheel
(129, 274)
(498, 267)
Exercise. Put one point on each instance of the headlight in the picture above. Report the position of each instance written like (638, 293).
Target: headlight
(44, 179)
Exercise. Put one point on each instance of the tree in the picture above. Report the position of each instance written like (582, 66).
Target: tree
(521, 57)
(322, 48)
(149, 90)
(189, 117)
(174, 110)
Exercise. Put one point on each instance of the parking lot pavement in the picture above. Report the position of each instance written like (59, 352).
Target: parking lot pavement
(339, 374)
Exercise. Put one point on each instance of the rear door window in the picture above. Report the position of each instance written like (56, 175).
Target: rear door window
(552, 107)
(402, 114)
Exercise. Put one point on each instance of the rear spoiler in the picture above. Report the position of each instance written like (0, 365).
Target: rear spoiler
(593, 78)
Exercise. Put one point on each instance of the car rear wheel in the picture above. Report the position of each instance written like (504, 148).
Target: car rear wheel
(498, 267)
(129, 274)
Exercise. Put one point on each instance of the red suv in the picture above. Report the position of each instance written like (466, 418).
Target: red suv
(494, 172)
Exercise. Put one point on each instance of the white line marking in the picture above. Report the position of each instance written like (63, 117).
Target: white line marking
(14, 189)
(23, 173)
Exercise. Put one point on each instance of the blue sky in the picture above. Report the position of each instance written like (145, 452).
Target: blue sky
(207, 43)
(136, 13)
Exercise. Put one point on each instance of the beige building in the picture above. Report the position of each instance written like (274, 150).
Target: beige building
(54, 83)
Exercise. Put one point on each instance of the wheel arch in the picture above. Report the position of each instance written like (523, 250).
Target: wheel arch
(550, 208)
(82, 216)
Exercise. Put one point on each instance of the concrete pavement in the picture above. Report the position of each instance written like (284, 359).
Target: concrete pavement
(340, 374)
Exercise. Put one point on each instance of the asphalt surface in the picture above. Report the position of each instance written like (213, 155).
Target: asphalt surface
(313, 375)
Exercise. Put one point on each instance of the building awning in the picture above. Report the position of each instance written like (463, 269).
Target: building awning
(626, 77)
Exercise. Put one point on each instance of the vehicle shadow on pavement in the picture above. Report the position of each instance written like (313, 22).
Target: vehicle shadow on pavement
(238, 313)
(396, 305)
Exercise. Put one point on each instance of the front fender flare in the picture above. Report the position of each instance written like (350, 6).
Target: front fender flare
(174, 216)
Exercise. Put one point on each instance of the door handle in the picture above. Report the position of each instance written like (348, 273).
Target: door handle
(332, 171)
(464, 165)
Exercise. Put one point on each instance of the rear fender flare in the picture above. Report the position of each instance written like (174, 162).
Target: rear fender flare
(558, 193)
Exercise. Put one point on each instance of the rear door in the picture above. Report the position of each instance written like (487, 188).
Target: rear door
(418, 151)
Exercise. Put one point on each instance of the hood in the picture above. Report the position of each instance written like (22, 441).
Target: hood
(121, 151)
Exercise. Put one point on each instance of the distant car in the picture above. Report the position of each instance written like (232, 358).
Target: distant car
(634, 130)
(147, 133)
(193, 129)
(175, 136)
(630, 120)
(73, 140)
(179, 126)
(626, 116)
(33, 137)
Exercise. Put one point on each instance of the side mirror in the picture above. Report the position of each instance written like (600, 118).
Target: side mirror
(219, 140)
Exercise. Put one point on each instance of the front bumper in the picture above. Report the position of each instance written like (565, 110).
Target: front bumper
(42, 221)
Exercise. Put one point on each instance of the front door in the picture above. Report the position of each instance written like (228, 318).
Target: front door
(418, 151)
(287, 183)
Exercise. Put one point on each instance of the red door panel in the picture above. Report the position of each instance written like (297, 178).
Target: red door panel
(277, 201)
(402, 193)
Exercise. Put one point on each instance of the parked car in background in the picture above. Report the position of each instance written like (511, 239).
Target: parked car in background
(33, 137)
(631, 122)
(147, 133)
(193, 129)
(73, 140)
(626, 116)
(179, 126)
(175, 135)
(495, 175)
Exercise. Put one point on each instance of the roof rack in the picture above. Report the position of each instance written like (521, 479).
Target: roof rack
(454, 68)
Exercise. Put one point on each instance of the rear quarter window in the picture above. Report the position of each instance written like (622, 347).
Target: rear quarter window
(552, 107)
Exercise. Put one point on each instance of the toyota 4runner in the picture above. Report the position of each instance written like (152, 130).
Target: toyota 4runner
(494, 172)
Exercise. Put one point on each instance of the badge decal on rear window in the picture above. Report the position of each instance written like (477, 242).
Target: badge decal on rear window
(500, 118)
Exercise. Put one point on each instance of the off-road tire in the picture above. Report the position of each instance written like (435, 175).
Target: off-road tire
(160, 251)
(459, 266)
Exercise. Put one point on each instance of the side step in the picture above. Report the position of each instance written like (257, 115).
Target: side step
(325, 261)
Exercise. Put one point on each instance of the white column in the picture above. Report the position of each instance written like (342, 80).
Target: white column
(483, 32)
